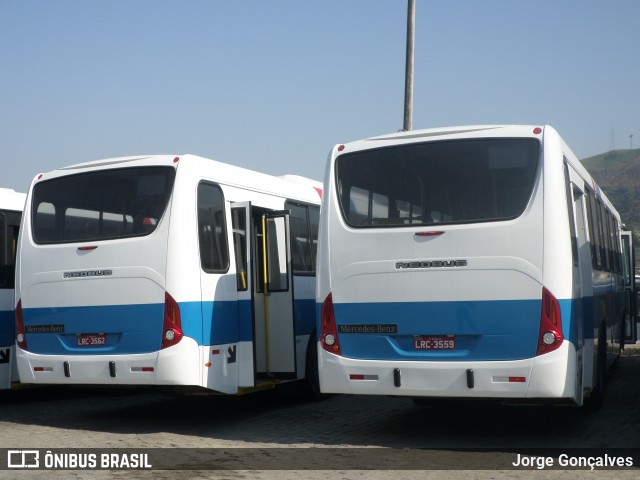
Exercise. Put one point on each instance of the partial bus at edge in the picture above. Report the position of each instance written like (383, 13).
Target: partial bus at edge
(468, 262)
(11, 205)
(176, 271)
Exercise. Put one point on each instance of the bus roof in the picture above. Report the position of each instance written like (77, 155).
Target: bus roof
(470, 131)
(11, 200)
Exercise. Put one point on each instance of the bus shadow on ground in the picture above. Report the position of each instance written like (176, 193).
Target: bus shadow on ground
(280, 417)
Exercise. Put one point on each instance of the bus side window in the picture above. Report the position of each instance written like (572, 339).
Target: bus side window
(592, 219)
(212, 231)
(304, 221)
(314, 222)
(8, 243)
(239, 225)
(5, 252)
(4, 241)
(276, 248)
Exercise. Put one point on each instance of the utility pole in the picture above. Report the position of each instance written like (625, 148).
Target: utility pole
(408, 78)
(612, 142)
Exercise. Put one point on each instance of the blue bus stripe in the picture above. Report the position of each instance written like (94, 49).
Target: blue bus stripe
(135, 329)
(484, 330)
(227, 323)
(129, 328)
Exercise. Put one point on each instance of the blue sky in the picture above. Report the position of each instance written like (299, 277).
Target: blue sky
(272, 85)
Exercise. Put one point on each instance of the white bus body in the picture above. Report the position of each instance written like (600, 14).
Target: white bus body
(151, 271)
(477, 261)
(11, 205)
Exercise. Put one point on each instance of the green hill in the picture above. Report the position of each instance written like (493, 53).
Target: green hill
(618, 174)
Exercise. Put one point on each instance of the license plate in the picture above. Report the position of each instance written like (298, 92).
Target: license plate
(92, 340)
(434, 342)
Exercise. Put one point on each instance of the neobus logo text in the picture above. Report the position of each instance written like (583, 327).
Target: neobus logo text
(431, 264)
(87, 273)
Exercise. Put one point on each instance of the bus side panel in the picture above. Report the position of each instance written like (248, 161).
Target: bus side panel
(11, 204)
(7, 318)
(7, 337)
(305, 318)
(304, 304)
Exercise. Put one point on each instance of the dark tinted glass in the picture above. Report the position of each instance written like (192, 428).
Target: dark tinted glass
(100, 205)
(431, 183)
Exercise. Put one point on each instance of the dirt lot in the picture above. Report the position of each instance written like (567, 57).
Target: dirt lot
(268, 435)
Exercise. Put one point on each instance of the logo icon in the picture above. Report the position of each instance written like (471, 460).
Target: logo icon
(23, 459)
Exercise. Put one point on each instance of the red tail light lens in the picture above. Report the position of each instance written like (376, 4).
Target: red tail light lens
(550, 336)
(21, 338)
(172, 328)
(329, 333)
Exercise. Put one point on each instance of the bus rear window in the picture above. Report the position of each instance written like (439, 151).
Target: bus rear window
(100, 205)
(445, 182)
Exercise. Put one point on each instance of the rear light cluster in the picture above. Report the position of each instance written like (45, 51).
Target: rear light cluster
(550, 336)
(328, 332)
(172, 327)
(21, 339)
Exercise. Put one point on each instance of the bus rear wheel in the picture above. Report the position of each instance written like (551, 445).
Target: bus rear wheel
(596, 399)
(311, 383)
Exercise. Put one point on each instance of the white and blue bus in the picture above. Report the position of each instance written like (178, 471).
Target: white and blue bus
(11, 205)
(479, 261)
(166, 270)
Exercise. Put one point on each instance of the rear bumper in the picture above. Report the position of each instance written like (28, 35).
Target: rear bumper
(549, 376)
(177, 365)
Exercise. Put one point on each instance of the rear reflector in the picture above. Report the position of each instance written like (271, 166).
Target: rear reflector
(509, 379)
(142, 369)
(358, 376)
(43, 369)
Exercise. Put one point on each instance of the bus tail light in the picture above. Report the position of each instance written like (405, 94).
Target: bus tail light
(172, 328)
(550, 336)
(21, 338)
(328, 332)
